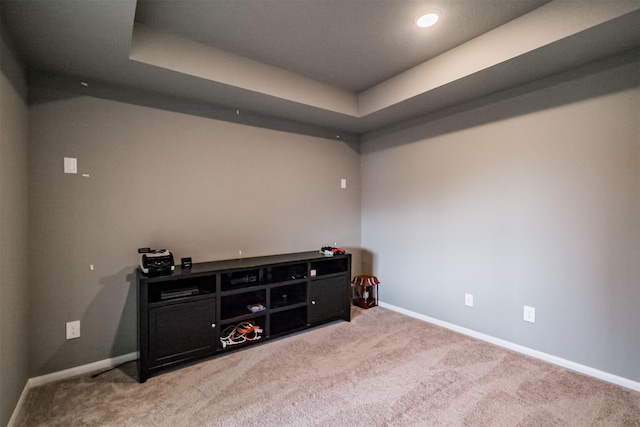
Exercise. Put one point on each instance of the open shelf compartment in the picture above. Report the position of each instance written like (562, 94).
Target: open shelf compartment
(237, 305)
(180, 289)
(240, 279)
(242, 333)
(284, 273)
(329, 266)
(283, 296)
(288, 321)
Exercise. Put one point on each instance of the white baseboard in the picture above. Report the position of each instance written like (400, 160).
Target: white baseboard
(68, 373)
(80, 370)
(592, 372)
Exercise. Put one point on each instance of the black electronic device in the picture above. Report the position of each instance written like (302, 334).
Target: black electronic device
(331, 251)
(156, 262)
(244, 279)
(179, 293)
(186, 262)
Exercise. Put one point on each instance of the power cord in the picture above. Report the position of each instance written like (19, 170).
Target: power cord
(242, 332)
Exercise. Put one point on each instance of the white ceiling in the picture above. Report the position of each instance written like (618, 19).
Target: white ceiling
(345, 66)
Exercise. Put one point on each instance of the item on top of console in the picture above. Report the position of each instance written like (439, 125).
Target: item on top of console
(185, 262)
(156, 262)
(331, 251)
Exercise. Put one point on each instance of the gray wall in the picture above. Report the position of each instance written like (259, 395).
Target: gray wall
(14, 289)
(528, 198)
(199, 187)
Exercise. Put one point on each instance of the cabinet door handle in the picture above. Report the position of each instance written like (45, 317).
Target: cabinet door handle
(313, 302)
(213, 325)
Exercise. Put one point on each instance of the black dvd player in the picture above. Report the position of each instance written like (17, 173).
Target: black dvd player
(179, 293)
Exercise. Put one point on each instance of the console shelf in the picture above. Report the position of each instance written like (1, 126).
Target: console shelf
(182, 316)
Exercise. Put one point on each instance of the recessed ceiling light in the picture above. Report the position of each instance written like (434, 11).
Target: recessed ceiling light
(427, 19)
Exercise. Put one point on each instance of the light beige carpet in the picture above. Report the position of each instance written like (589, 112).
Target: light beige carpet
(382, 369)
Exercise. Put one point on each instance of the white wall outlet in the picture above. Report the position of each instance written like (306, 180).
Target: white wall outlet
(73, 329)
(468, 300)
(529, 314)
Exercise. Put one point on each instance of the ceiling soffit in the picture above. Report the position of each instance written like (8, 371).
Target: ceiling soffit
(181, 55)
(536, 31)
(63, 43)
(351, 44)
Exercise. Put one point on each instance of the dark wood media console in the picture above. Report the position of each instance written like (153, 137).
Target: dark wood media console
(182, 316)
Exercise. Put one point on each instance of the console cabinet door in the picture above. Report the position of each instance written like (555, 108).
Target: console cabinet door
(181, 331)
(329, 299)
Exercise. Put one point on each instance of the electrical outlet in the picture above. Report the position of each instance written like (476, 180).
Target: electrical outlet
(468, 300)
(529, 314)
(73, 329)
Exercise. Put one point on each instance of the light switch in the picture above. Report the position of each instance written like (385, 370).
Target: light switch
(70, 165)
(343, 183)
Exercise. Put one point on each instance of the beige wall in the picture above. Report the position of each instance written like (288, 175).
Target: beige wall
(14, 288)
(532, 199)
(199, 187)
